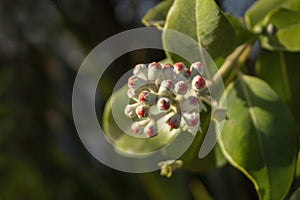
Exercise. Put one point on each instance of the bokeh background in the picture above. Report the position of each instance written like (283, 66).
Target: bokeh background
(42, 44)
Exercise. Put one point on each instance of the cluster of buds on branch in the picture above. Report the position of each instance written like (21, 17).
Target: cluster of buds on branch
(170, 92)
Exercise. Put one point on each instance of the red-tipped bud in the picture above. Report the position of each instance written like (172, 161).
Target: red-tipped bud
(198, 83)
(168, 84)
(163, 104)
(151, 129)
(181, 88)
(136, 128)
(130, 93)
(174, 121)
(141, 71)
(130, 110)
(191, 119)
(197, 68)
(135, 82)
(190, 104)
(179, 67)
(154, 71)
(168, 72)
(147, 98)
(142, 111)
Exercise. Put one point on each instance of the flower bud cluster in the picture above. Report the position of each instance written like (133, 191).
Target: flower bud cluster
(171, 91)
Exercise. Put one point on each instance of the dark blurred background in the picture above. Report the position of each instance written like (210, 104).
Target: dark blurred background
(42, 44)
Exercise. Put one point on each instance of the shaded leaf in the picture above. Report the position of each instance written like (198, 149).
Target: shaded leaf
(259, 137)
(280, 71)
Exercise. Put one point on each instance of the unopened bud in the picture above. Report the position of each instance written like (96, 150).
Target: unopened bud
(197, 68)
(142, 111)
(191, 119)
(147, 98)
(151, 129)
(163, 104)
(179, 68)
(181, 88)
(168, 72)
(130, 93)
(135, 82)
(136, 128)
(174, 121)
(190, 104)
(154, 71)
(130, 110)
(198, 83)
(141, 71)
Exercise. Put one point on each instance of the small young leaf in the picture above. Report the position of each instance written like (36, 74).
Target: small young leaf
(278, 22)
(156, 16)
(259, 137)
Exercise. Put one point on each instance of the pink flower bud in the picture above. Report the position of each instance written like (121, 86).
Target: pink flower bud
(198, 83)
(130, 110)
(142, 111)
(130, 93)
(154, 71)
(136, 128)
(141, 71)
(174, 121)
(197, 68)
(151, 129)
(181, 88)
(135, 82)
(179, 67)
(163, 104)
(147, 98)
(191, 119)
(190, 104)
(168, 72)
(168, 84)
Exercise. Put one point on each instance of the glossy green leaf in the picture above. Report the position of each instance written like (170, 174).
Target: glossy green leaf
(280, 71)
(280, 25)
(259, 137)
(126, 142)
(203, 21)
(156, 16)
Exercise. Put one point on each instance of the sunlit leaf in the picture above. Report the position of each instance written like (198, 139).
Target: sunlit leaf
(203, 21)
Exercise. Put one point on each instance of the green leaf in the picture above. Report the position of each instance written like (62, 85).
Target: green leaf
(280, 25)
(259, 137)
(278, 69)
(156, 16)
(127, 143)
(203, 21)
